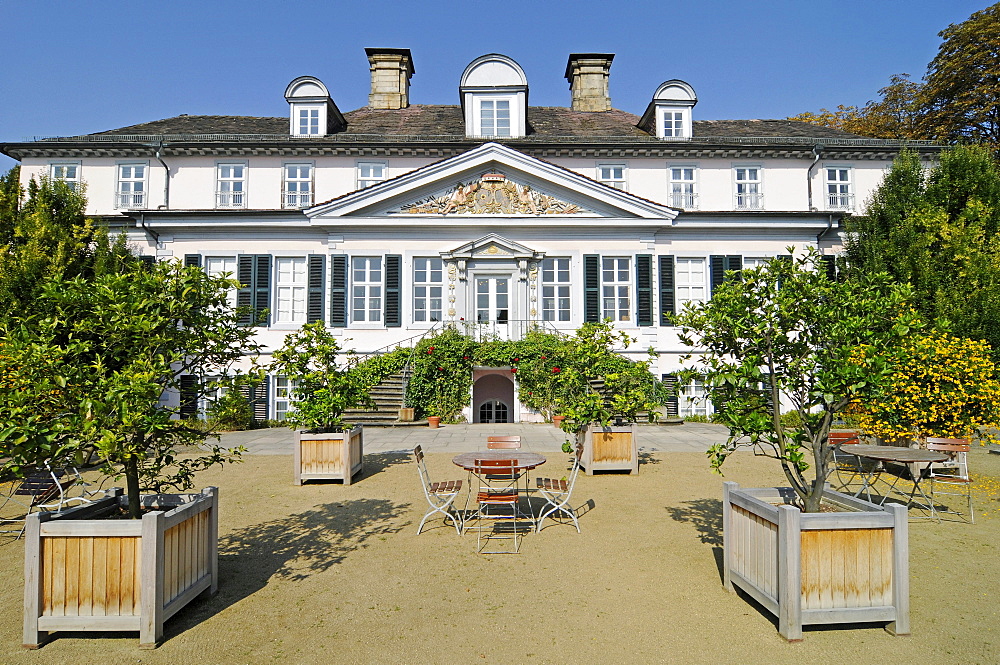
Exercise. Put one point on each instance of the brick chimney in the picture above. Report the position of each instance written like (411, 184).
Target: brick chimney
(391, 71)
(587, 74)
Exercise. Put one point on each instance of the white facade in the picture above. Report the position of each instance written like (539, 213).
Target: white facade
(382, 223)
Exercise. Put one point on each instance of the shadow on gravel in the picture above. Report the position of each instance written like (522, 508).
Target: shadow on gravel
(706, 517)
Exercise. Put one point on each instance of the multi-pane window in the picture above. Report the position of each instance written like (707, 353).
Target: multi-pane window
(690, 280)
(838, 188)
(68, 173)
(231, 186)
(673, 124)
(291, 286)
(749, 193)
(616, 286)
(298, 186)
(494, 117)
(131, 192)
(284, 396)
(428, 285)
(693, 398)
(755, 262)
(309, 122)
(555, 290)
(682, 187)
(366, 288)
(370, 173)
(612, 175)
(223, 266)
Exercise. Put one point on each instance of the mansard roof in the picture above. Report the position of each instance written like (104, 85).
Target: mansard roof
(447, 120)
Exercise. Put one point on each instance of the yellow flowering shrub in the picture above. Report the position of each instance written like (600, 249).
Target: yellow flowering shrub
(938, 385)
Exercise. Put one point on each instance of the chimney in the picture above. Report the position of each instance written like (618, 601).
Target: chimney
(391, 71)
(587, 74)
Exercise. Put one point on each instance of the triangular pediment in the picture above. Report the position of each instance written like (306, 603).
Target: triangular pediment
(492, 245)
(491, 180)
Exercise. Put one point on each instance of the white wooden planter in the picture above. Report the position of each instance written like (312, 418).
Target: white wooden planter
(328, 456)
(817, 568)
(612, 448)
(86, 573)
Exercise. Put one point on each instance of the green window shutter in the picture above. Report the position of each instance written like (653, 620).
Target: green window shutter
(257, 397)
(667, 306)
(262, 289)
(393, 270)
(720, 264)
(192, 260)
(317, 275)
(189, 396)
(147, 261)
(644, 289)
(591, 288)
(244, 295)
(670, 380)
(829, 264)
(338, 291)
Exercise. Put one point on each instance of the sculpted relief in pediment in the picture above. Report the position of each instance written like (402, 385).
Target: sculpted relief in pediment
(492, 194)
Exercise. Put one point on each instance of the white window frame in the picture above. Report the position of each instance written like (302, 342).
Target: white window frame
(688, 290)
(308, 120)
(368, 291)
(511, 102)
(428, 289)
(748, 193)
(606, 173)
(127, 197)
(759, 261)
(678, 197)
(284, 396)
(291, 289)
(73, 182)
(556, 280)
(366, 180)
(293, 195)
(216, 266)
(680, 128)
(227, 195)
(692, 398)
(843, 198)
(616, 292)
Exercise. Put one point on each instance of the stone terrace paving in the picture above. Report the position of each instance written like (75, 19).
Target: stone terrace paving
(536, 437)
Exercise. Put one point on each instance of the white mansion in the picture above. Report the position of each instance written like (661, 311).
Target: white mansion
(388, 220)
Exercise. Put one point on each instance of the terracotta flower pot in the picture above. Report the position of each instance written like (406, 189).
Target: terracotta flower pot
(433, 421)
(557, 420)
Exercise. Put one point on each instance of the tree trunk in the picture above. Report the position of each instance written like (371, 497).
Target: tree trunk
(132, 487)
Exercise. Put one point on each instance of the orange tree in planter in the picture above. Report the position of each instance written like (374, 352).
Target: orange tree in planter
(938, 385)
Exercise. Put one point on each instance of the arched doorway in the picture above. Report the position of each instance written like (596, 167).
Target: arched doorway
(493, 397)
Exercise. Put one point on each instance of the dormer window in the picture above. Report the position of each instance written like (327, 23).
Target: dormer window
(311, 111)
(494, 94)
(668, 116)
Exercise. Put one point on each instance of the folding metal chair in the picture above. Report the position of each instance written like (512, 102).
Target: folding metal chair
(440, 496)
(557, 493)
(848, 467)
(497, 502)
(45, 489)
(503, 442)
(951, 477)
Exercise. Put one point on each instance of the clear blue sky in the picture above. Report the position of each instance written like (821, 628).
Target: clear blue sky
(74, 67)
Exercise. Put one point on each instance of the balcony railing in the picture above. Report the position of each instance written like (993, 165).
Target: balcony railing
(684, 200)
(513, 330)
(130, 200)
(296, 200)
(230, 200)
(749, 201)
(840, 201)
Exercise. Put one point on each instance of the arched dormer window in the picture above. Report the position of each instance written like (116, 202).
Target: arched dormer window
(311, 111)
(668, 116)
(494, 92)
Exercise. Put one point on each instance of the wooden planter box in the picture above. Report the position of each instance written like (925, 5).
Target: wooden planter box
(86, 573)
(329, 456)
(817, 568)
(612, 448)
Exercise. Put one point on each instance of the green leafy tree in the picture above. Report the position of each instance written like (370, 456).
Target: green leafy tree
(111, 346)
(896, 114)
(311, 358)
(786, 330)
(961, 96)
(938, 233)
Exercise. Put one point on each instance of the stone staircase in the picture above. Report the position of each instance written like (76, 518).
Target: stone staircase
(388, 399)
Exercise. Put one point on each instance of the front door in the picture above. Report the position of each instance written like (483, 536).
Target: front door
(493, 300)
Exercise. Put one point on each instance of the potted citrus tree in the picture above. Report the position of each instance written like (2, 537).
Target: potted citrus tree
(326, 448)
(786, 333)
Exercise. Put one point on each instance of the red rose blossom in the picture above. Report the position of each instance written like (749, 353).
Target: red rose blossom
(543, 357)
(556, 370)
(440, 369)
(513, 370)
(517, 360)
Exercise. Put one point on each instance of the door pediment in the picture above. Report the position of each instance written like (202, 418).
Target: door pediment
(493, 246)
